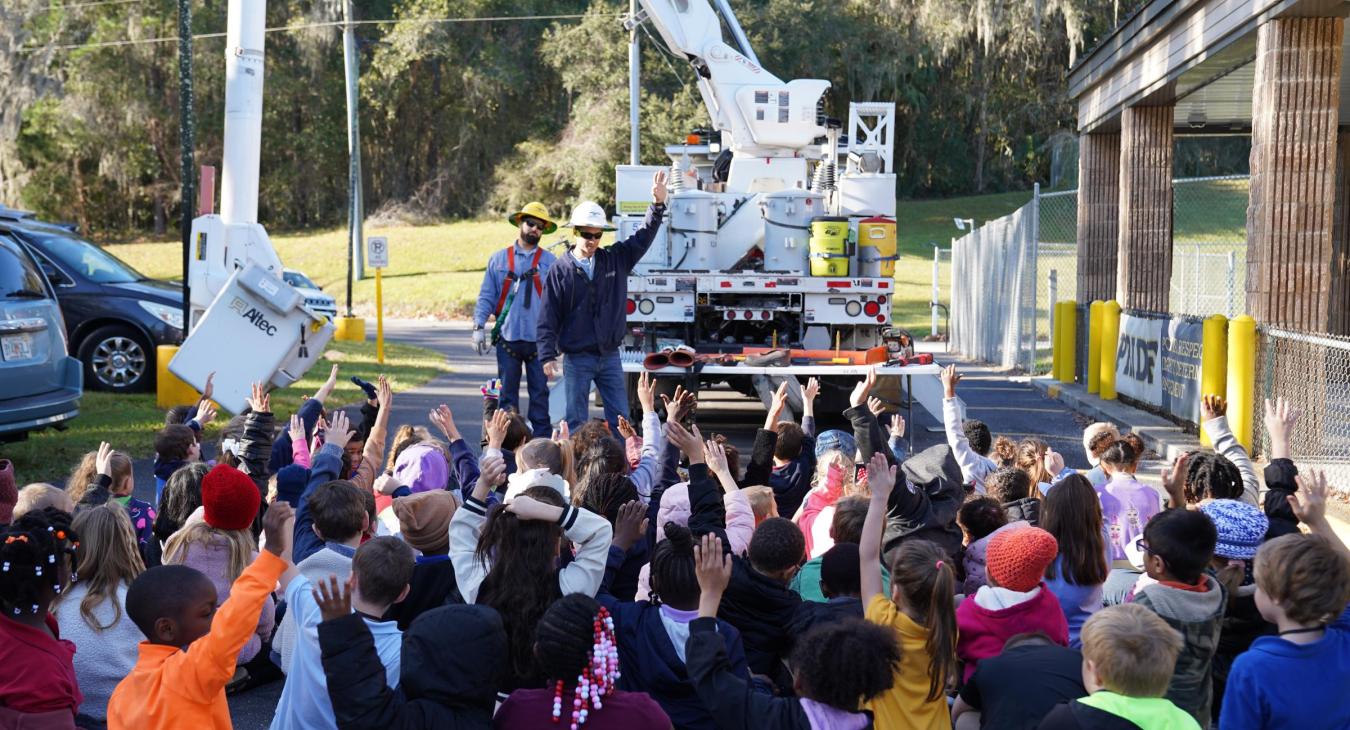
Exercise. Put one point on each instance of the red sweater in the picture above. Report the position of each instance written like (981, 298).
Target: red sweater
(981, 632)
(38, 672)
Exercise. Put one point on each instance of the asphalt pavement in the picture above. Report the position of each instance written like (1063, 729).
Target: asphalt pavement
(1010, 407)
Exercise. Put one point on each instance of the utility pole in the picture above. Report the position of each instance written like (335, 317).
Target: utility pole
(187, 134)
(356, 269)
(634, 72)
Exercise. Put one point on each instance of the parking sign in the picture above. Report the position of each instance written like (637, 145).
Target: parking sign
(377, 252)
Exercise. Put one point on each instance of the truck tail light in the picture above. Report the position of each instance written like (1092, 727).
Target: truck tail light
(763, 315)
(631, 306)
(731, 314)
(871, 309)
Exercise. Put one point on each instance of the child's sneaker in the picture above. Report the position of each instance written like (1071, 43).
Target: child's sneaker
(492, 388)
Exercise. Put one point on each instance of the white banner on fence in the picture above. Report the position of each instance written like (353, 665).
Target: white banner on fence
(1139, 359)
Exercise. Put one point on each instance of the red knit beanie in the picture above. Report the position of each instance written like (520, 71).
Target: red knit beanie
(1017, 559)
(230, 498)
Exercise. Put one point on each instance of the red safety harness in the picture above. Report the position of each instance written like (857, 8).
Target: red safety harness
(533, 273)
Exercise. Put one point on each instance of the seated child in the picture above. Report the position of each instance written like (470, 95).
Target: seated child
(762, 502)
(221, 545)
(1127, 503)
(1297, 679)
(105, 476)
(424, 522)
(450, 659)
(39, 496)
(1015, 601)
(836, 666)
(1016, 689)
(576, 650)
(175, 446)
(38, 686)
(381, 569)
(1178, 545)
(1241, 529)
(979, 518)
(1128, 655)
(176, 607)
(1012, 487)
(1096, 438)
(845, 528)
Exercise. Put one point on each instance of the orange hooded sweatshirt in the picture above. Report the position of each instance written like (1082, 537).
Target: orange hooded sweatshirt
(171, 688)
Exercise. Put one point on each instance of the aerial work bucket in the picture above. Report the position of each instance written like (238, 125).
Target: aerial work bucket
(876, 247)
(829, 246)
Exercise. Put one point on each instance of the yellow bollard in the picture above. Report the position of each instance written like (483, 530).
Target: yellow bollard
(1110, 338)
(1213, 362)
(1241, 386)
(1067, 322)
(1096, 311)
(1056, 357)
(170, 391)
(350, 329)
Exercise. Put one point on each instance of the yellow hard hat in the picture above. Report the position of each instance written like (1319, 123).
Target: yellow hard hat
(534, 209)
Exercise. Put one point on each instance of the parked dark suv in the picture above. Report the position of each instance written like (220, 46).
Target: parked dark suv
(39, 382)
(115, 316)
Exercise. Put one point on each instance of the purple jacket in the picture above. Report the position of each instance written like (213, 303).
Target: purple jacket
(1127, 505)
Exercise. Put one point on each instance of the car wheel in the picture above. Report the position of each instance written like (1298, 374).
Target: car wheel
(117, 358)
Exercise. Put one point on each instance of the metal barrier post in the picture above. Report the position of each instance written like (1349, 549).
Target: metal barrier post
(1213, 362)
(1241, 386)
(1232, 284)
(1110, 335)
(933, 326)
(1096, 311)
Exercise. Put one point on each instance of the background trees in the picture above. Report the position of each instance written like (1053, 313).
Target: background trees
(462, 118)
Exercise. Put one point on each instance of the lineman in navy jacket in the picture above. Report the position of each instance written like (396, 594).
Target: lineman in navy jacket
(584, 310)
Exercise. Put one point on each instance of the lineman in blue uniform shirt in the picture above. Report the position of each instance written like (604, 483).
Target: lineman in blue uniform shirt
(583, 318)
(513, 291)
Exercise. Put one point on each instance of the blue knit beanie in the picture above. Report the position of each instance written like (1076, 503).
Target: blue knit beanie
(836, 439)
(291, 482)
(1241, 527)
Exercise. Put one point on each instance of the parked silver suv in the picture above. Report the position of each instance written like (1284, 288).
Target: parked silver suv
(40, 384)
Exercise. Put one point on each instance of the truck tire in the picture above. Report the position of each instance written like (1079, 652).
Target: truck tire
(118, 359)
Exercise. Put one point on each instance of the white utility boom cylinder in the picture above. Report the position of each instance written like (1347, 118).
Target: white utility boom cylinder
(244, 33)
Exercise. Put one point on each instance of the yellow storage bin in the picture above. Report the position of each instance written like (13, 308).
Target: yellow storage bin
(829, 246)
(876, 247)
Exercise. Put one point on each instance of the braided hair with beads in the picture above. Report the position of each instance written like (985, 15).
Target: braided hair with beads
(576, 639)
(33, 552)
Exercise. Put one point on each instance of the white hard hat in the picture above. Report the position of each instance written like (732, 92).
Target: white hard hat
(589, 214)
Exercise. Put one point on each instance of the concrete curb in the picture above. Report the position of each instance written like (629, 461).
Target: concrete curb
(1159, 434)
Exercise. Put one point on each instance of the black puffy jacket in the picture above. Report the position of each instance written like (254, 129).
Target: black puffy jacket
(451, 660)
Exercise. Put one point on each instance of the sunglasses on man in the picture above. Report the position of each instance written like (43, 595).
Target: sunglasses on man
(589, 236)
(534, 223)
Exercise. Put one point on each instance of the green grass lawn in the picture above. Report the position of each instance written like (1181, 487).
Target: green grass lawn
(129, 421)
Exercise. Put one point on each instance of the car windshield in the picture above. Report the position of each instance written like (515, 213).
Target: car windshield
(295, 278)
(86, 259)
(19, 278)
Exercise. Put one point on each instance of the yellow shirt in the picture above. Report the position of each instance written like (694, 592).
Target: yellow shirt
(905, 705)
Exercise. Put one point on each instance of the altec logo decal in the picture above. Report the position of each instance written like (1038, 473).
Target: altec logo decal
(254, 315)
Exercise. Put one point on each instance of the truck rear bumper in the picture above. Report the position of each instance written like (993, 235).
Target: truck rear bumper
(636, 367)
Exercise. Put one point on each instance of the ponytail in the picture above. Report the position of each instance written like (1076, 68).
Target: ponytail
(1004, 451)
(926, 578)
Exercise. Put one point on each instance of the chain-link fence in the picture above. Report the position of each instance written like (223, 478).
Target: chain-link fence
(1209, 245)
(1313, 373)
(1056, 268)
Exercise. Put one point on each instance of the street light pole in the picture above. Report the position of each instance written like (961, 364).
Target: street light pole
(356, 207)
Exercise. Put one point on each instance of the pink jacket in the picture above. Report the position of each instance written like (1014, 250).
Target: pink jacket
(675, 508)
(982, 632)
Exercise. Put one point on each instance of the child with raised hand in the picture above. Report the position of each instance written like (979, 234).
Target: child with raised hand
(837, 667)
(38, 685)
(175, 447)
(792, 447)
(1297, 679)
(1072, 515)
(652, 634)
(1213, 418)
(381, 570)
(1015, 601)
(90, 612)
(1280, 473)
(970, 439)
(506, 557)
(919, 614)
(221, 546)
(1128, 655)
(448, 666)
(1178, 546)
(106, 476)
(175, 607)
